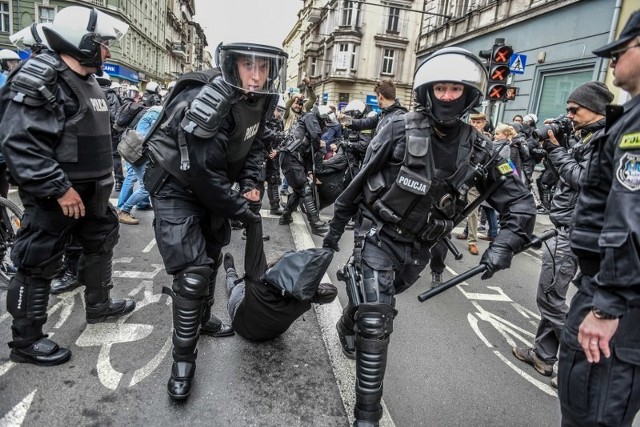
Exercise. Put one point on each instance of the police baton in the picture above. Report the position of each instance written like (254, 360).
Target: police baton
(454, 251)
(535, 243)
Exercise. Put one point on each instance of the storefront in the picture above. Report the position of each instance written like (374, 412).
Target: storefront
(125, 74)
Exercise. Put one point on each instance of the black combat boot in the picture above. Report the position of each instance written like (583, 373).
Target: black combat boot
(68, 280)
(27, 299)
(318, 227)
(211, 325)
(274, 198)
(95, 273)
(181, 380)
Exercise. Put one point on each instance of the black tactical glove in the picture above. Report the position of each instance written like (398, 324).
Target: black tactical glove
(496, 258)
(331, 241)
(249, 217)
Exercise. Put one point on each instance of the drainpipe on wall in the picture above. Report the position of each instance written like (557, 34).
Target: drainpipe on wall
(612, 35)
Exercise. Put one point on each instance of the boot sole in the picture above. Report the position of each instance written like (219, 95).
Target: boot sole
(18, 358)
(179, 397)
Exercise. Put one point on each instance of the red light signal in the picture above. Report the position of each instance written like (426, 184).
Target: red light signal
(499, 72)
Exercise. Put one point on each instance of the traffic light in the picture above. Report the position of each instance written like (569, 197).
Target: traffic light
(498, 71)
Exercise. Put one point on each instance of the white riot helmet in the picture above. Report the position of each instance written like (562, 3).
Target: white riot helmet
(152, 87)
(531, 119)
(253, 57)
(7, 56)
(104, 80)
(326, 115)
(450, 65)
(355, 108)
(31, 37)
(80, 32)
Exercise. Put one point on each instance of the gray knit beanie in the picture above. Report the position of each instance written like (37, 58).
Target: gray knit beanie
(593, 96)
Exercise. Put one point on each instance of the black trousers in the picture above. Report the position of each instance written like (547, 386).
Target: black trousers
(605, 393)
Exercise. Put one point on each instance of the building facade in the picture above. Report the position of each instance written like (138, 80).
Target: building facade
(552, 38)
(347, 46)
(163, 41)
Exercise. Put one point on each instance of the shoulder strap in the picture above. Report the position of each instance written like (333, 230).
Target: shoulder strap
(36, 81)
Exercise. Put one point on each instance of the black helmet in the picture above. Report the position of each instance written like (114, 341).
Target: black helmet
(79, 31)
(451, 65)
(272, 58)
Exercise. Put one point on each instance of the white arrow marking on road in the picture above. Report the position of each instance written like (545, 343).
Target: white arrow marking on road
(146, 370)
(504, 327)
(500, 296)
(542, 386)
(15, 417)
(105, 335)
(5, 367)
(139, 274)
(65, 305)
(146, 287)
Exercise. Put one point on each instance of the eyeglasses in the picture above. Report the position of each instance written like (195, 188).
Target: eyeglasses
(616, 54)
(102, 42)
(573, 110)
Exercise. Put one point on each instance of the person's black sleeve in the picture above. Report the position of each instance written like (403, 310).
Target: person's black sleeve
(365, 123)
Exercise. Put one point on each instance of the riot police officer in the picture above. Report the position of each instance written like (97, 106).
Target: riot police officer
(151, 95)
(297, 160)
(271, 168)
(409, 196)
(55, 137)
(210, 139)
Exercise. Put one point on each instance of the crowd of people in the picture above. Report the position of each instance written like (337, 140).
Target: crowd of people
(402, 180)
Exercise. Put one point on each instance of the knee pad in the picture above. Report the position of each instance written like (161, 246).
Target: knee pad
(48, 270)
(28, 297)
(375, 321)
(306, 190)
(192, 282)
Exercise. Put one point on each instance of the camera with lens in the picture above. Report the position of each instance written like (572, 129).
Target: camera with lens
(300, 101)
(561, 126)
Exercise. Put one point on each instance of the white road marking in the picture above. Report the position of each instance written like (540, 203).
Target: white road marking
(542, 386)
(15, 417)
(139, 274)
(150, 246)
(66, 304)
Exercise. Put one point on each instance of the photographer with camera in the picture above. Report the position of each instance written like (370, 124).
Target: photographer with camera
(585, 114)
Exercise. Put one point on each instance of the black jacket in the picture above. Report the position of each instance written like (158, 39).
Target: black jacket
(512, 200)
(606, 228)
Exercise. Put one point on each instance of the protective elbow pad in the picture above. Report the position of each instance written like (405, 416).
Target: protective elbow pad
(209, 108)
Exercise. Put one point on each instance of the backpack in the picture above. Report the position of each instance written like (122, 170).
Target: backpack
(128, 116)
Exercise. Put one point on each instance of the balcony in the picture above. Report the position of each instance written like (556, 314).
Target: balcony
(102, 3)
(179, 49)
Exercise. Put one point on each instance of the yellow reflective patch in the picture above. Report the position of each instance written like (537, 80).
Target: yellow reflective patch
(630, 141)
(505, 168)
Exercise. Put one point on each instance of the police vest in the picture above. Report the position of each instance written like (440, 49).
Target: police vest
(247, 117)
(84, 150)
(414, 197)
(297, 142)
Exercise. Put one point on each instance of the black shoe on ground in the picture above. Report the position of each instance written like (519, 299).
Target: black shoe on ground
(179, 386)
(43, 352)
(228, 262)
(236, 224)
(319, 228)
(111, 308)
(276, 211)
(436, 279)
(285, 219)
(215, 328)
(66, 283)
(265, 237)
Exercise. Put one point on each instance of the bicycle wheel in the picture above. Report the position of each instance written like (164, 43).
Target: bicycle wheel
(10, 221)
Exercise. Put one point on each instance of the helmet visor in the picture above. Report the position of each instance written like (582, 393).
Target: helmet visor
(109, 28)
(452, 67)
(253, 70)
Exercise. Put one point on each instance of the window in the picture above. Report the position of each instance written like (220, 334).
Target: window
(345, 57)
(388, 59)
(348, 10)
(555, 90)
(4, 17)
(45, 14)
(314, 66)
(394, 20)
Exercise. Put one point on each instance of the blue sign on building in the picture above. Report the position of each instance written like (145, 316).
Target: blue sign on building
(325, 97)
(122, 72)
(372, 101)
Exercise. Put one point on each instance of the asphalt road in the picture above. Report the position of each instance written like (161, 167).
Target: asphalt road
(450, 361)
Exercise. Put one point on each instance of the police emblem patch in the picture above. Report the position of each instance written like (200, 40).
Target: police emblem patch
(628, 173)
(630, 141)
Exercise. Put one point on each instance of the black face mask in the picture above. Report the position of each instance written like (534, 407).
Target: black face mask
(447, 112)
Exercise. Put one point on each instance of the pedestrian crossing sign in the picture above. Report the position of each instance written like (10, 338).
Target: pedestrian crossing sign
(517, 63)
